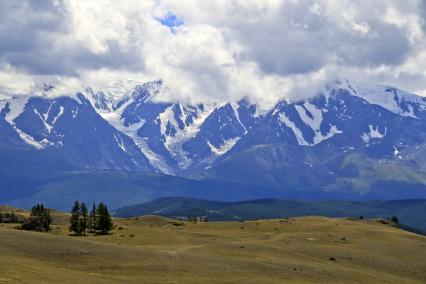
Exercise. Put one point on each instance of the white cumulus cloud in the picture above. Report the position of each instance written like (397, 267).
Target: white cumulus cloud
(220, 50)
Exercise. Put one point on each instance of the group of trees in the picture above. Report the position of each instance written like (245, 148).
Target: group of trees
(9, 218)
(79, 220)
(98, 221)
(393, 219)
(196, 219)
(40, 219)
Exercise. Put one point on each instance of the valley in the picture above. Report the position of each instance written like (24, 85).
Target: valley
(220, 141)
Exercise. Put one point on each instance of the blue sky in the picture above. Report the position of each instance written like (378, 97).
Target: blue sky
(170, 20)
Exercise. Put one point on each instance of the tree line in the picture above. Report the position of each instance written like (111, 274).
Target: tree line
(196, 219)
(8, 217)
(98, 221)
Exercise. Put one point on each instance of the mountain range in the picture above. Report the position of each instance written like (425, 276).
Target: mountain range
(346, 142)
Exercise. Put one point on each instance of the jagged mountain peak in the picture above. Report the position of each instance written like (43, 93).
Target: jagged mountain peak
(393, 99)
(178, 138)
(120, 93)
(129, 130)
(143, 93)
(152, 87)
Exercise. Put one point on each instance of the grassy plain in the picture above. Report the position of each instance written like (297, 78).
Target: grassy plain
(154, 249)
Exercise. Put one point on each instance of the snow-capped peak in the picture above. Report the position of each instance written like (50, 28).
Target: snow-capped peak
(176, 137)
(147, 91)
(115, 90)
(392, 99)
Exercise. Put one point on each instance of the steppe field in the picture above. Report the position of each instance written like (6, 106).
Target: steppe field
(154, 249)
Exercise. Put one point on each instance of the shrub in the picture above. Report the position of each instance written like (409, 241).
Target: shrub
(35, 224)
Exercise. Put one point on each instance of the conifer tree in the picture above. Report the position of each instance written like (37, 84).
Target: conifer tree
(46, 218)
(104, 222)
(75, 225)
(83, 218)
(100, 212)
(37, 210)
(92, 219)
(108, 221)
(13, 218)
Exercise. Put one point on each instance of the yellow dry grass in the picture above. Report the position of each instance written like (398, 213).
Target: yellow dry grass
(153, 249)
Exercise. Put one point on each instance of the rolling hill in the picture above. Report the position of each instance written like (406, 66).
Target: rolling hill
(411, 213)
(155, 249)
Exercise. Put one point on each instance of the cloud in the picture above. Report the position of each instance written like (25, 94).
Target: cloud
(217, 50)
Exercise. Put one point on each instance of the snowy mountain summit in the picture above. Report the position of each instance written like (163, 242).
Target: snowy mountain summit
(126, 128)
(174, 136)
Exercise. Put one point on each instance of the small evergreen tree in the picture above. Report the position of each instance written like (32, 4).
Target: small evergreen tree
(92, 219)
(46, 218)
(13, 218)
(395, 220)
(104, 222)
(75, 224)
(108, 225)
(38, 210)
(84, 218)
